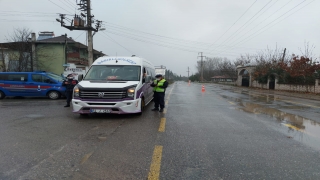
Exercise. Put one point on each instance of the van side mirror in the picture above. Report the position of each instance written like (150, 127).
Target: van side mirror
(80, 77)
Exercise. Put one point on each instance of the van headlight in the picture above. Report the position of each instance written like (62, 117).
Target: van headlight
(130, 92)
(76, 92)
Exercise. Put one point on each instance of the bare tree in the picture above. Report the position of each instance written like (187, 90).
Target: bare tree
(307, 52)
(20, 50)
(243, 60)
(20, 53)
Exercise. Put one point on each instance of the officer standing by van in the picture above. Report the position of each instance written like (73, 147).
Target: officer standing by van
(69, 83)
(159, 88)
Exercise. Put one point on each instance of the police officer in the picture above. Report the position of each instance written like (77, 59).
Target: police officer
(159, 88)
(69, 83)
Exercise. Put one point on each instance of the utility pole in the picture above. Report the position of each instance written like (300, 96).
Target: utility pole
(65, 48)
(77, 23)
(34, 62)
(284, 54)
(201, 65)
(90, 38)
(188, 72)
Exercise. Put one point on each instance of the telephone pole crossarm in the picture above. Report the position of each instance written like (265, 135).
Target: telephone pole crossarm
(78, 23)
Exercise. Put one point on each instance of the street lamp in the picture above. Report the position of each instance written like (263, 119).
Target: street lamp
(101, 29)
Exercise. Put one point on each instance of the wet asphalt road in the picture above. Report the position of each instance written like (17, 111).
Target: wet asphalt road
(223, 133)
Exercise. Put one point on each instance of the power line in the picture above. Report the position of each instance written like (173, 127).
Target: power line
(72, 5)
(183, 40)
(267, 24)
(117, 42)
(120, 30)
(154, 39)
(26, 12)
(67, 5)
(263, 20)
(59, 6)
(254, 34)
(259, 23)
(19, 20)
(79, 35)
(280, 16)
(236, 21)
(27, 15)
(254, 19)
(246, 22)
(151, 42)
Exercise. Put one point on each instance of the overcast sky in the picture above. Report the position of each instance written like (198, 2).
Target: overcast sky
(172, 32)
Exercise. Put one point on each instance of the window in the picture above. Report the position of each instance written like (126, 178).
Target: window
(39, 78)
(3, 77)
(17, 77)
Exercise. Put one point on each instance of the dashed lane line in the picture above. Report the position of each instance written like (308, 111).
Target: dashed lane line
(162, 125)
(86, 157)
(165, 111)
(154, 172)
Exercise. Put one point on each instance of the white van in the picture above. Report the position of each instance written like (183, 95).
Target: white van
(116, 85)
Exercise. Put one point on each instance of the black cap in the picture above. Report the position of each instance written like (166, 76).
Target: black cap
(69, 75)
(158, 75)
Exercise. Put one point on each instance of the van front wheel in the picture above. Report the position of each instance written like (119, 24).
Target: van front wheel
(2, 95)
(142, 106)
(54, 95)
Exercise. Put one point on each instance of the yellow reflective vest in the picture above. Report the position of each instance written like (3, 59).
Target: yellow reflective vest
(160, 84)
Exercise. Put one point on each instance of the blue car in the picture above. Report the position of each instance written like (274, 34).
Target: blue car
(31, 84)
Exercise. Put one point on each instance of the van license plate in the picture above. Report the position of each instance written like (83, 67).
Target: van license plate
(100, 111)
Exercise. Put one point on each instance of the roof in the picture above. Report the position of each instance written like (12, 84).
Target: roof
(58, 39)
(122, 60)
(61, 39)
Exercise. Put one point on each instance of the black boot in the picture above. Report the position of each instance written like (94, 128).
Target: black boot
(68, 105)
(155, 109)
(161, 110)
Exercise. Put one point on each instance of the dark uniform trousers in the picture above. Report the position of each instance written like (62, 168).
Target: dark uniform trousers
(69, 89)
(159, 99)
(69, 96)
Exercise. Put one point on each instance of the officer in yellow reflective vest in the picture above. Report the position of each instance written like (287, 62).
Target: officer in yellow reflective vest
(159, 88)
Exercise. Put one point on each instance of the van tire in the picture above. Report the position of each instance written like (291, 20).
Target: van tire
(142, 106)
(2, 95)
(53, 95)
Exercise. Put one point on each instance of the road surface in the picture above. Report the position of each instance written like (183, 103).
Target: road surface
(223, 133)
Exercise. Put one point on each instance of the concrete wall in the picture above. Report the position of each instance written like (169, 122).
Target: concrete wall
(256, 84)
(290, 87)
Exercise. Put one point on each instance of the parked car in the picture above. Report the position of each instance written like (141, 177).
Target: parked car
(31, 84)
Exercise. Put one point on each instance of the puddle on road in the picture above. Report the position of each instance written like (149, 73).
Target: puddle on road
(299, 128)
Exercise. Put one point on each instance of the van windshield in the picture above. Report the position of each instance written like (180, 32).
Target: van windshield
(114, 73)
